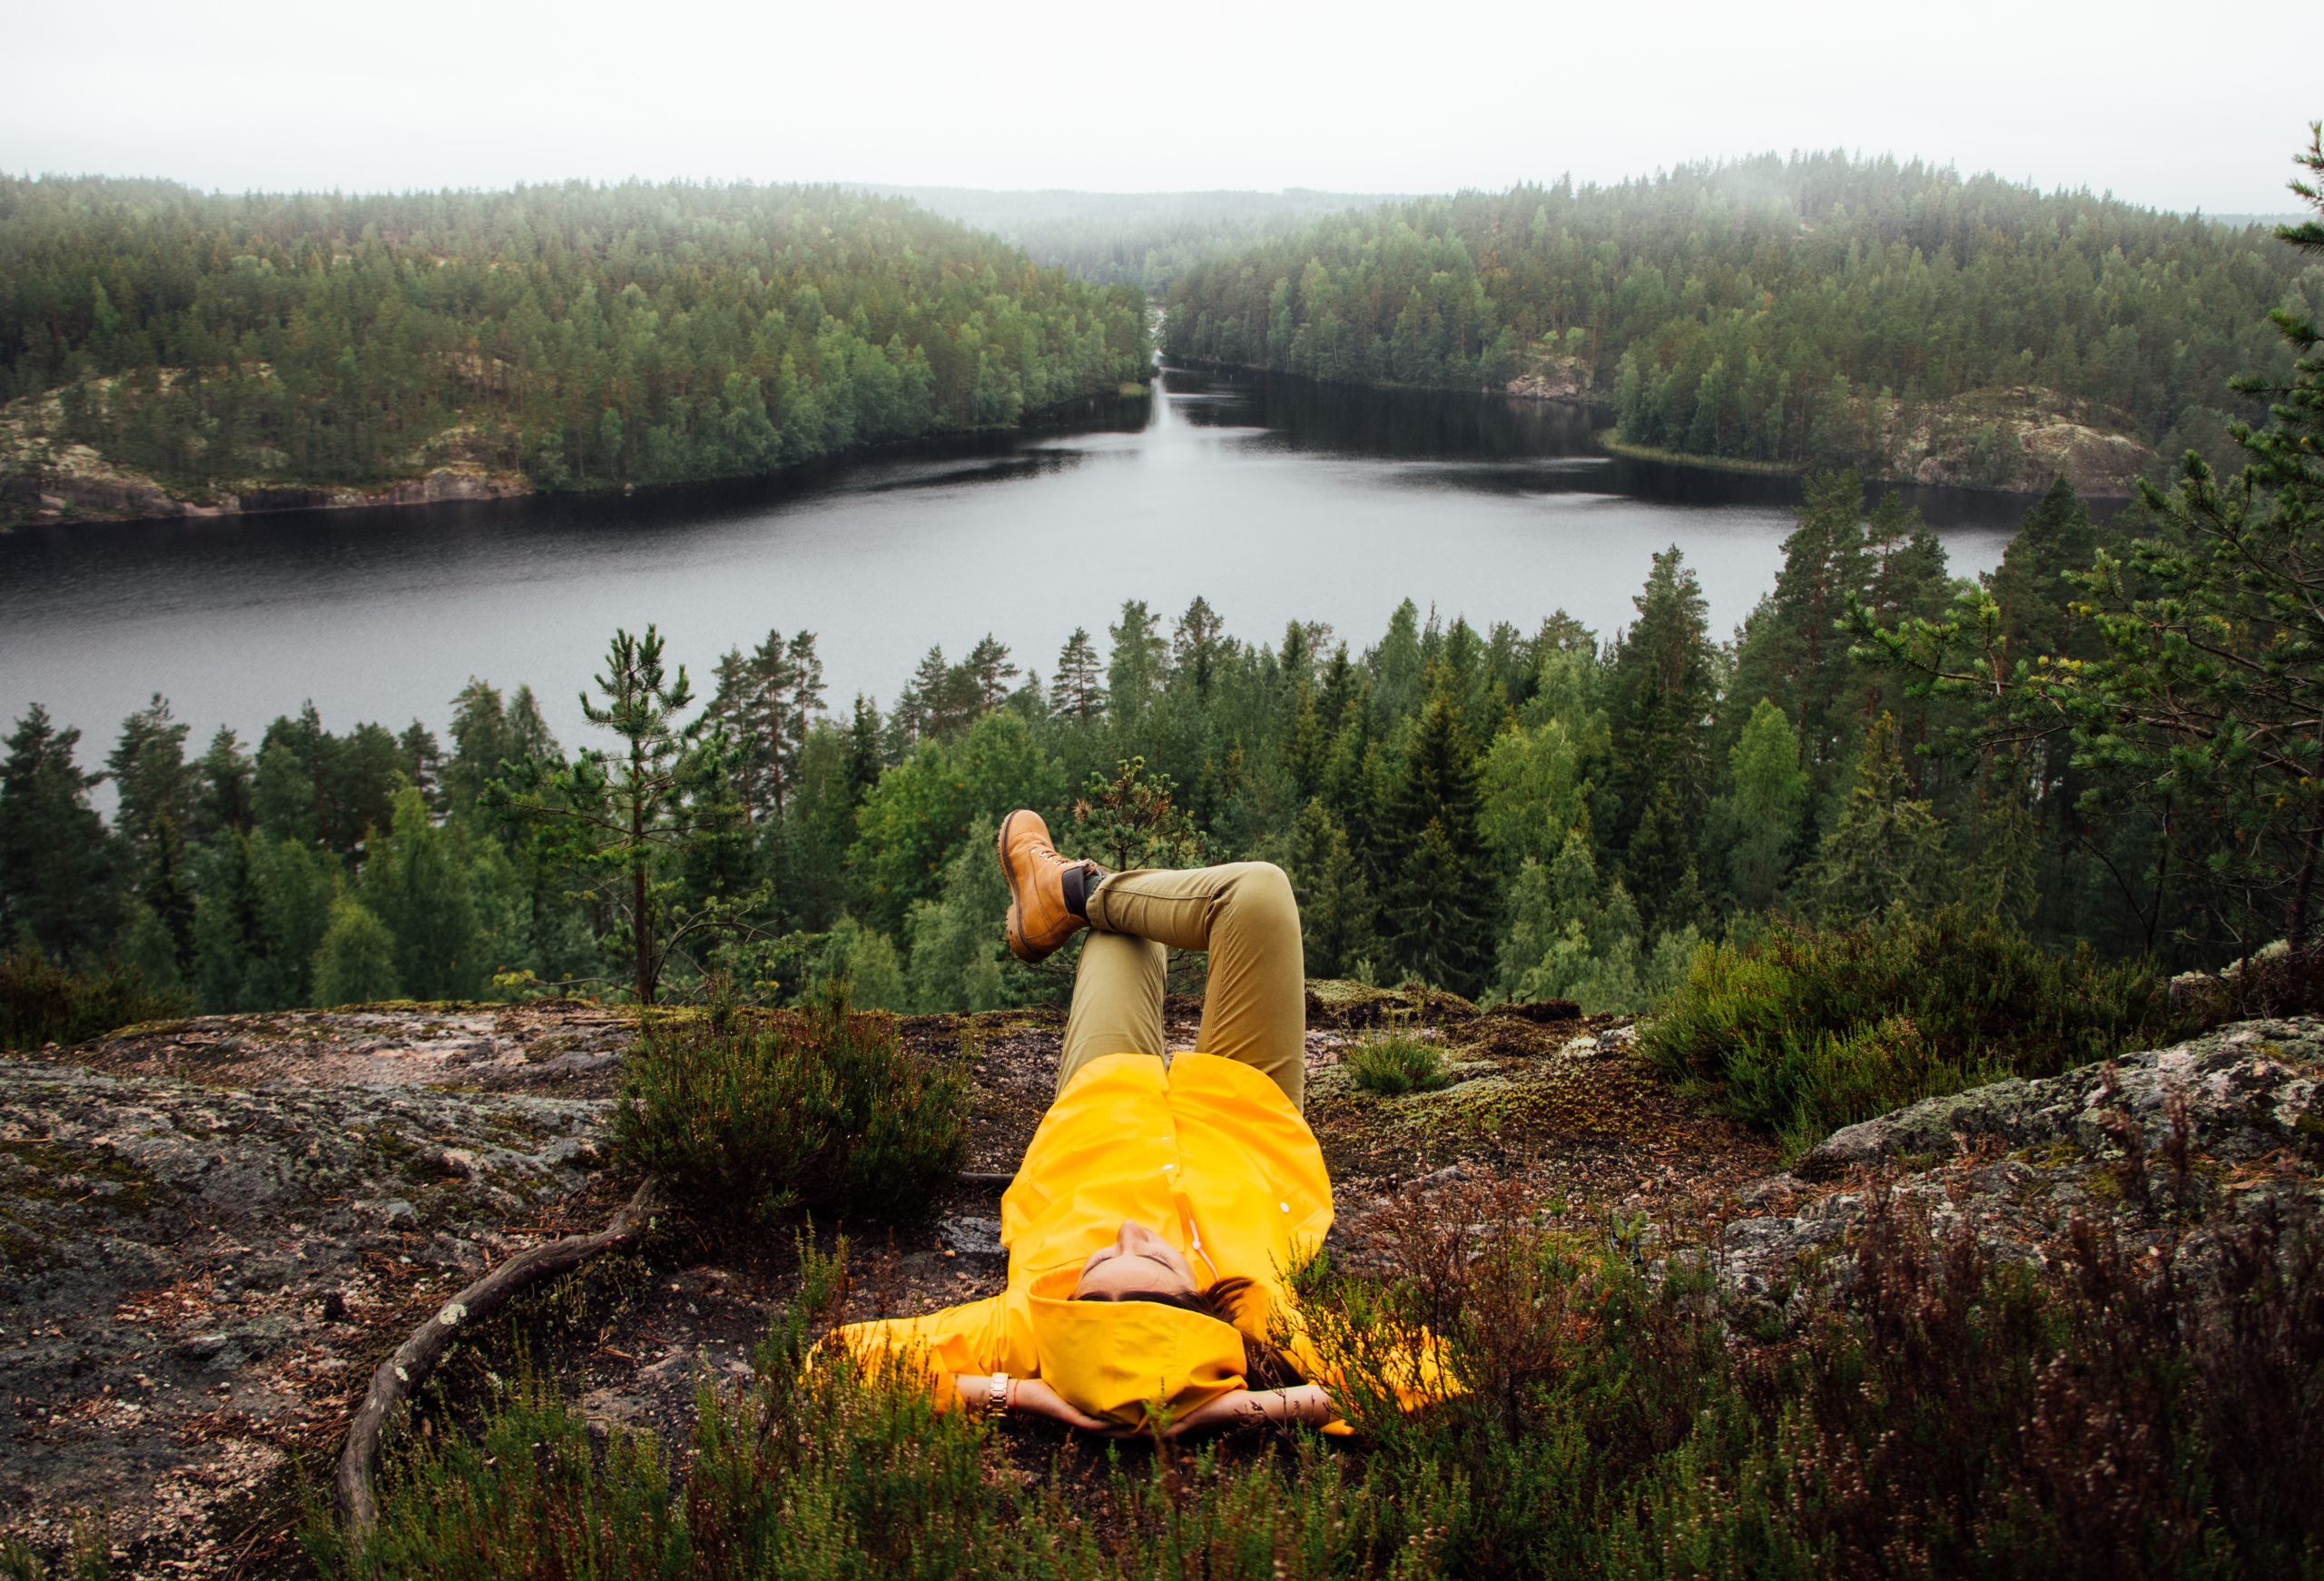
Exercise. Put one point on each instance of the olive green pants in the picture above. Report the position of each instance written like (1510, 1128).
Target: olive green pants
(1255, 1007)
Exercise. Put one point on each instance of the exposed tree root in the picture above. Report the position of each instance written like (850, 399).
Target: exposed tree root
(400, 1375)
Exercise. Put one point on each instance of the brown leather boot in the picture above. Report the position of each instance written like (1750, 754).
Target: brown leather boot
(1047, 892)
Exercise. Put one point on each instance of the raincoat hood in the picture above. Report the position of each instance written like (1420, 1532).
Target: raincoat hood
(1112, 1357)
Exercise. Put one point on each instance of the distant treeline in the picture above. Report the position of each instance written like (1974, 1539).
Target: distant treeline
(579, 333)
(1143, 239)
(1747, 310)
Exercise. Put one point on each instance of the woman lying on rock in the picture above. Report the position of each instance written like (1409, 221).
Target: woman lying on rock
(1151, 1224)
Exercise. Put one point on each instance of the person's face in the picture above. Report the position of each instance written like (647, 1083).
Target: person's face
(1138, 1259)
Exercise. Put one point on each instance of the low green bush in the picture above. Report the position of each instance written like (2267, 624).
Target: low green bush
(822, 1107)
(1810, 1029)
(42, 1004)
(1391, 1063)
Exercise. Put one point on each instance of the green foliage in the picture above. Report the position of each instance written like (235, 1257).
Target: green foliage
(1812, 1028)
(916, 819)
(958, 940)
(822, 1107)
(2181, 683)
(1336, 915)
(1886, 852)
(1757, 823)
(42, 1003)
(57, 889)
(1440, 905)
(1395, 1061)
(355, 962)
(626, 819)
(1782, 310)
(1568, 940)
(1133, 821)
(416, 885)
(584, 335)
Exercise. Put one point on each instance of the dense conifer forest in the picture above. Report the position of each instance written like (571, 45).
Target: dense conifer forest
(1780, 310)
(583, 335)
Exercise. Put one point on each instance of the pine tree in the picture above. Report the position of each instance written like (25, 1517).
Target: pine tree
(989, 672)
(59, 889)
(624, 818)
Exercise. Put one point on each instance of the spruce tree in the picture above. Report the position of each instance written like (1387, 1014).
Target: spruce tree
(1441, 903)
(1337, 913)
(59, 875)
(1886, 852)
(1662, 686)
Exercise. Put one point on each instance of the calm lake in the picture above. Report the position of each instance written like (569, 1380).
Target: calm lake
(1275, 499)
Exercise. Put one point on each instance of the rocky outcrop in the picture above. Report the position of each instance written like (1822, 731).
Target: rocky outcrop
(46, 478)
(2172, 1144)
(76, 481)
(1555, 378)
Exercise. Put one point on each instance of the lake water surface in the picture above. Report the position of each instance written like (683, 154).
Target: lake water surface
(1273, 499)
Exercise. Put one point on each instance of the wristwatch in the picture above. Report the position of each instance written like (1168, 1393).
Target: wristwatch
(996, 1395)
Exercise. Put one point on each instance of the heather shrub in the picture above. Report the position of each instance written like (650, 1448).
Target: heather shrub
(2124, 1413)
(41, 1004)
(822, 1107)
(1810, 1029)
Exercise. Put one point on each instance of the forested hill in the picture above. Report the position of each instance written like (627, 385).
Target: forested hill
(1814, 311)
(1143, 239)
(576, 334)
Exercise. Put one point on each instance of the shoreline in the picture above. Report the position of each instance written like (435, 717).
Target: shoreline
(102, 492)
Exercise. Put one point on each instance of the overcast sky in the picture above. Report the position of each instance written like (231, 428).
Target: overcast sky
(2158, 103)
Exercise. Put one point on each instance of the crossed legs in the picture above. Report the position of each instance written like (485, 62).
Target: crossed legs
(1254, 1009)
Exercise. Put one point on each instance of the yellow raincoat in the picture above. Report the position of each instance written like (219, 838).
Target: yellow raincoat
(1207, 1153)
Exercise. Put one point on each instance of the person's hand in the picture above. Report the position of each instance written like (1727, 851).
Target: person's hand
(1308, 1404)
(1034, 1398)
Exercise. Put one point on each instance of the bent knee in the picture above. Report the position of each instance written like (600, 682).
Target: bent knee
(1262, 885)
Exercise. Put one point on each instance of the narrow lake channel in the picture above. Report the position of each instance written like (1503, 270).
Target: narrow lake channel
(1273, 499)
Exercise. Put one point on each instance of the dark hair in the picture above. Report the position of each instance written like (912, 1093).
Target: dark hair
(1263, 1366)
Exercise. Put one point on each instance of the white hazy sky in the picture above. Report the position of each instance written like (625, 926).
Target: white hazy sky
(2158, 103)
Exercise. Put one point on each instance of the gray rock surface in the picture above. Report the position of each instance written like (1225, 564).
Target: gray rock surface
(193, 1276)
(2172, 1142)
